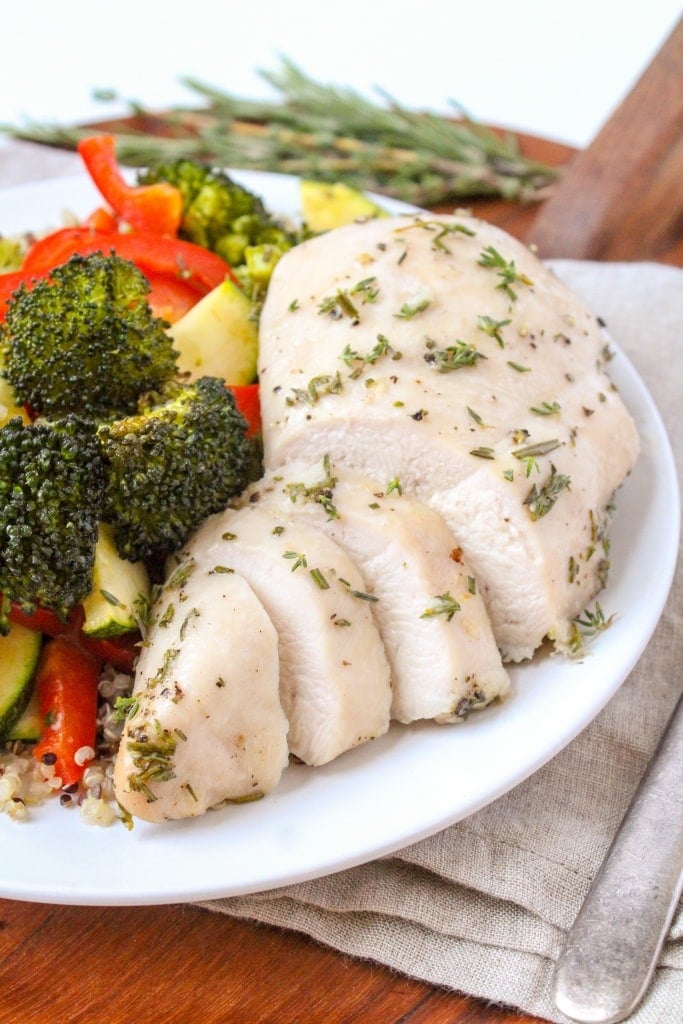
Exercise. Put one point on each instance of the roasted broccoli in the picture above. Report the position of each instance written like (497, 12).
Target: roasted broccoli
(221, 215)
(179, 460)
(51, 490)
(85, 339)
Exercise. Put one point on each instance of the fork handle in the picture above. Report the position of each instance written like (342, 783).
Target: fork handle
(613, 947)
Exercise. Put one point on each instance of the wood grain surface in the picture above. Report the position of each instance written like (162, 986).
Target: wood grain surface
(622, 197)
(182, 965)
(178, 964)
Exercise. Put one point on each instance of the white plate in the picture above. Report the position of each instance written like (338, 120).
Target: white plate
(380, 797)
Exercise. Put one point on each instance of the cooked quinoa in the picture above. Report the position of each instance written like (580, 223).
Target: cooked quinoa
(25, 783)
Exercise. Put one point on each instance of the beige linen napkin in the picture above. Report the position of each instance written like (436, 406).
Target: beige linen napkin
(482, 907)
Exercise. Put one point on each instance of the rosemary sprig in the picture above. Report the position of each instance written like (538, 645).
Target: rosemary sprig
(326, 132)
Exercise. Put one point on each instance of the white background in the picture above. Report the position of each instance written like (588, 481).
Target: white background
(554, 69)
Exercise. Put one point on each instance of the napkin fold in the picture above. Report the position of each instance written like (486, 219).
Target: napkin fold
(483, 907)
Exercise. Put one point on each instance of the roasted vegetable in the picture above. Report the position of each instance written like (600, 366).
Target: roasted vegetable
(51, 491)
(223, 216)
(180, 459)
(84, 338)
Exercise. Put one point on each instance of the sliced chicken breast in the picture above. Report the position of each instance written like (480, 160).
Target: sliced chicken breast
(334, 675)
(207, 725)
(436, 632)
(438, 351)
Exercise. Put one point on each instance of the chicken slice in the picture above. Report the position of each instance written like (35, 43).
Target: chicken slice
(206, 725)
(334, 675)
(436, 632)
(438, 351)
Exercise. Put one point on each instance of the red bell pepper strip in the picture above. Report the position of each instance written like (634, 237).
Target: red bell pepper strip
(8, 285)
(154, 208)
(46, 621)
(169, 297)
(66, 683)
(153, 254)
(121, 651)
(102, 220)
(247, 401)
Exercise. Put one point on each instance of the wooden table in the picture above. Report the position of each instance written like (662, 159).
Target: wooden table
(180, 963)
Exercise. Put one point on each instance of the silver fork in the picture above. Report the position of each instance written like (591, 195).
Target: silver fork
(613, 947)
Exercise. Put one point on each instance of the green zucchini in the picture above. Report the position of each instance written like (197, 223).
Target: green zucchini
(19, 653)
(29, 724)
(118, 588)
(218, 337)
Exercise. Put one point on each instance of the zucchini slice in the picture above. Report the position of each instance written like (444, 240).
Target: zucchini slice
(218, 337)
(118, 588)
(29, 724)
(19, 653)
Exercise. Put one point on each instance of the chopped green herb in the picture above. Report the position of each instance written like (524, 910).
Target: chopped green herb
(180, 576)
(442, 230)
(540, 500)
(475, 416)
(573, 569)
(152, 757)
(125, 707)
(191, 615)
(493, 328)
(587, 626)
(444, 604)
(324, 384)
(411, 309)
(168, 616)
(367, 288)
(169, 657)
(356, 361)
(188, 787)
(321, 492)
(340, 305)
(297, 558)
(454, 357)
(539, 448)
(506, 269)
(320, 579)
(360, 594)
(546, 409)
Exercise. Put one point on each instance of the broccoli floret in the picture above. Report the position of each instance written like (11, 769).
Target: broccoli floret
(85, 338)
(179, 460)
(51, 489)
(223, 216)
